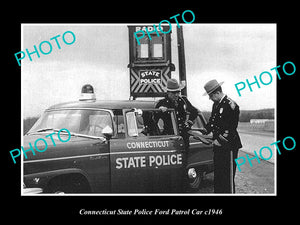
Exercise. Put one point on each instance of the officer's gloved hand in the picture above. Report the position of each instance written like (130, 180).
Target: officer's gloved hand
(203, 130)
(163, 108)
(216, 143)
(188, 124)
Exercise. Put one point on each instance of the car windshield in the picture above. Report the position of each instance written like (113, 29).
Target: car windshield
(79, 121)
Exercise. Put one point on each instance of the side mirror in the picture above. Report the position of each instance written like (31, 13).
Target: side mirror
(107, 132)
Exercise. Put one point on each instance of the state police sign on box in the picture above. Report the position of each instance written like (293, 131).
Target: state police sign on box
(150, 76)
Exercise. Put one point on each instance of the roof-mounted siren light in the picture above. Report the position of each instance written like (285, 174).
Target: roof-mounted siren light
(87, 93)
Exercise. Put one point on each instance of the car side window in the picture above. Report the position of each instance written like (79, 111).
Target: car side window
(95, 121)
(152, 123)
(199, 122)
(120, 123)
(147, 124)
(132, 127)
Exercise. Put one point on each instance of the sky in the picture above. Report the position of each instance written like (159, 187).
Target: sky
(99, 56)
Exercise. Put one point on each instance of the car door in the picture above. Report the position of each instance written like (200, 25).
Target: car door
(147, 160)
(200, 154)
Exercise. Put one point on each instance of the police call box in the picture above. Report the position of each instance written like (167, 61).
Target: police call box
(150, 63)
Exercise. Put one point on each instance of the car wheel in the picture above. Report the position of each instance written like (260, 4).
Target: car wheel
(195, 179)
(59, 192)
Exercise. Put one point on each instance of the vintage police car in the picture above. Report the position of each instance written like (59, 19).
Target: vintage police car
(115, 147)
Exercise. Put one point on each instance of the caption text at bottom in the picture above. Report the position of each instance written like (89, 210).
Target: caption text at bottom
(154, 212)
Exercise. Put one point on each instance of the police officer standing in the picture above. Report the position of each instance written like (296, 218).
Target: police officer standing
(185, 111)
(223, 124)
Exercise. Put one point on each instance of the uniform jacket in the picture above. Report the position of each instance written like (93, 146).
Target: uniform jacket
(184, 110)
(223, 123)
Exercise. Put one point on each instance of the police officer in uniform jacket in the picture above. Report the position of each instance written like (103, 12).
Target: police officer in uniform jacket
(223, 124)
(185, 111)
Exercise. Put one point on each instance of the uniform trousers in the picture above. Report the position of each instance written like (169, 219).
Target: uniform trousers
(222, 169)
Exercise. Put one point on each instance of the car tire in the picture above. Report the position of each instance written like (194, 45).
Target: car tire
(195, 183)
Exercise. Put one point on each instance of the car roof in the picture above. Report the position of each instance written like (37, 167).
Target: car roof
(112, 104)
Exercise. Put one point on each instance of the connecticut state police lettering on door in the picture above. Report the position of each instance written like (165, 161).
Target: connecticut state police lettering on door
(148, 161)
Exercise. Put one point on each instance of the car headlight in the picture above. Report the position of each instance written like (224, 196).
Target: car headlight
(31, 190)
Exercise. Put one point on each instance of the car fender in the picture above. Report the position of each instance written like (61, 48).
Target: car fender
(42, 179)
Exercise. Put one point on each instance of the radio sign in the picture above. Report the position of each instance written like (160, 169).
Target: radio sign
(151, 28)
(150, 76)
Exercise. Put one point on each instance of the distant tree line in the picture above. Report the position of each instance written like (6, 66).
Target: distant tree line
(247, 115)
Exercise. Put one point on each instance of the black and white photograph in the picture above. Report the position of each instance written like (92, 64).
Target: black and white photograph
(149, 109)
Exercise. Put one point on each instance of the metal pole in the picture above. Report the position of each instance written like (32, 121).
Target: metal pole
(181, 59)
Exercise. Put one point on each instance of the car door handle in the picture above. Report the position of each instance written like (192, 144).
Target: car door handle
(177, 138)
(98, 157)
